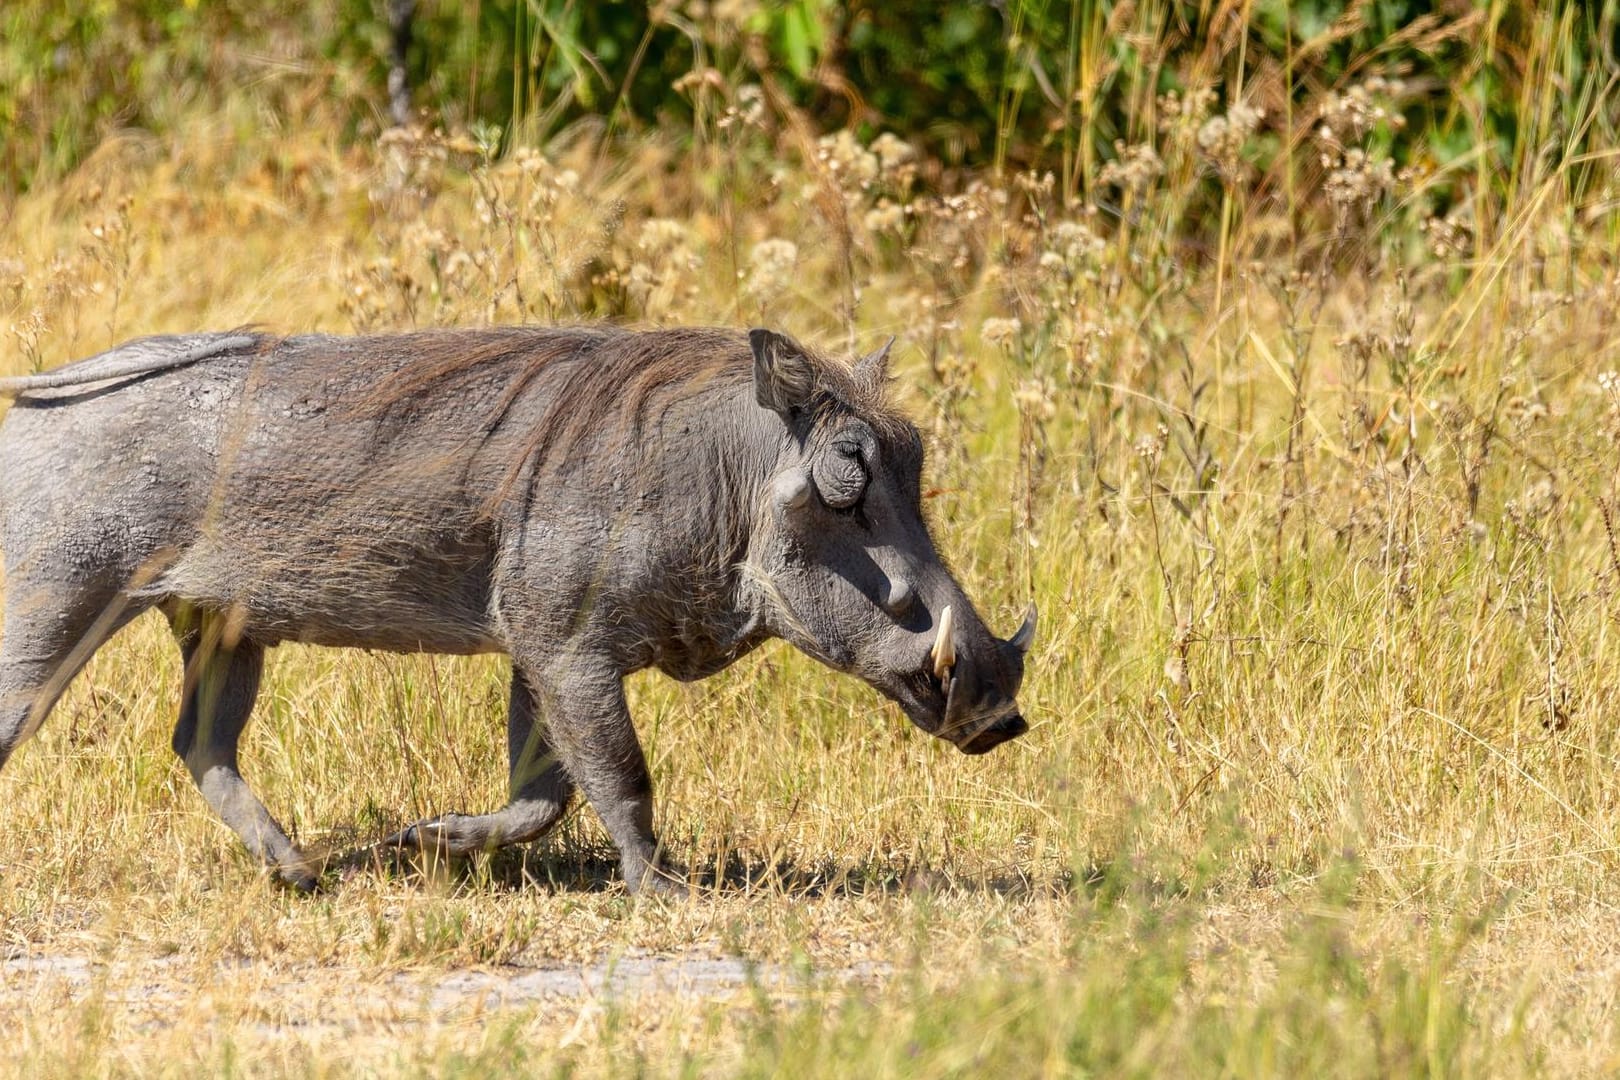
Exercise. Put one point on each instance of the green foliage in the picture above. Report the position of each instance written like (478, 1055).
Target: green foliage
(1034, 83)
(72, 75)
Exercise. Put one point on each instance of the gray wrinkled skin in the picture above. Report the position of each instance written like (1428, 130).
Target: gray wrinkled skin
(588, 501)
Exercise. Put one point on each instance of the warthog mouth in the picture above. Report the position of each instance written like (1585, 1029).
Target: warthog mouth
(931, 703)
(993, 734)
(969, 704)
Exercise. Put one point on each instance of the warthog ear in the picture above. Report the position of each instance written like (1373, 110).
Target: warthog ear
(784, 378)
(874, 366)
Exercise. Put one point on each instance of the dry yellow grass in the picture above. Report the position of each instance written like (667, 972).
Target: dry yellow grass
(1322, 771)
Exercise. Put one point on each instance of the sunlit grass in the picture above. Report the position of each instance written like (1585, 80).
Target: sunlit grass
(1322, 776)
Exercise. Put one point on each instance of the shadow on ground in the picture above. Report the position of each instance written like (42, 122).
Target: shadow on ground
(566, 864)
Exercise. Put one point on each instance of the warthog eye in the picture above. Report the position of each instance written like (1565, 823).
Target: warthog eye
(842, 476)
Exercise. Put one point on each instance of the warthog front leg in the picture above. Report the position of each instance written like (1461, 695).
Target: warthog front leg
(221, 684)
(590, 725)
(540, 791)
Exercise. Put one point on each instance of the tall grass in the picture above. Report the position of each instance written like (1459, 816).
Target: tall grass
(1308, 455)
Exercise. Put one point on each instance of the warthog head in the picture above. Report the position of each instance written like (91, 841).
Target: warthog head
(849, 568)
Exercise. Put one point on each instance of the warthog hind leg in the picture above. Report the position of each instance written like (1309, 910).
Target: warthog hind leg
(221, 683)
(50, 633)
(540, 791)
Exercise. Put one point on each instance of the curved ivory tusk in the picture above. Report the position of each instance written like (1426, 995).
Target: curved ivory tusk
(1025, 637)
(944, 651)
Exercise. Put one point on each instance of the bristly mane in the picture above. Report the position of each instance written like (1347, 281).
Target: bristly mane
(602, 380)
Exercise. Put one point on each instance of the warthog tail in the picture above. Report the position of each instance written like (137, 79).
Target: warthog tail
(142, 357)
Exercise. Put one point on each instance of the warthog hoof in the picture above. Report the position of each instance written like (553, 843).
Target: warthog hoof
(300, 881)
(661, 883)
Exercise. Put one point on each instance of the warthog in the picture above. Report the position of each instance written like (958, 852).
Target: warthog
(589, 501)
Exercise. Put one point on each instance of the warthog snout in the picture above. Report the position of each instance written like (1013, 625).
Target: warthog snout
(975, 677)
(998, 732)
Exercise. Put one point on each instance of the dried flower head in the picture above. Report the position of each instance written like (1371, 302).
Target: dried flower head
(1133, 170)
(771, 266)
(1346, 117)
(1001, 332)
(893, 153)
(1036, 398)
(746, 110)
(1356, 182)
(850, 163)
(1449, 237)
(1222, 139)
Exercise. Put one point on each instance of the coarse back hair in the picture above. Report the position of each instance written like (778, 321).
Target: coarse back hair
(601, 384)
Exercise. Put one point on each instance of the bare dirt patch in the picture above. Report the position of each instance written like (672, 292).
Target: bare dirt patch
(304, 999)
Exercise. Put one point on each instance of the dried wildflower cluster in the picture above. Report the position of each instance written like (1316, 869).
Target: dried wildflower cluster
(746, 109)
(1357, 178)
(1223, 139)
(770, 268)
(1356, 183)
(1190, 129)
(1134, 170)
(1075, 304)
(44, 303)
(875, 181)
(1449, 236)
(1181, 116)
(1349, 116)
(516, 241)
(661, 279)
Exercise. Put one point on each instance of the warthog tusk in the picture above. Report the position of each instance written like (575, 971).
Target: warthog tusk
(944, 651)
(1025, 637)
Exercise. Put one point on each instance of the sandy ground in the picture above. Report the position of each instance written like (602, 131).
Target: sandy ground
(369, 1011)
(26, 978)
